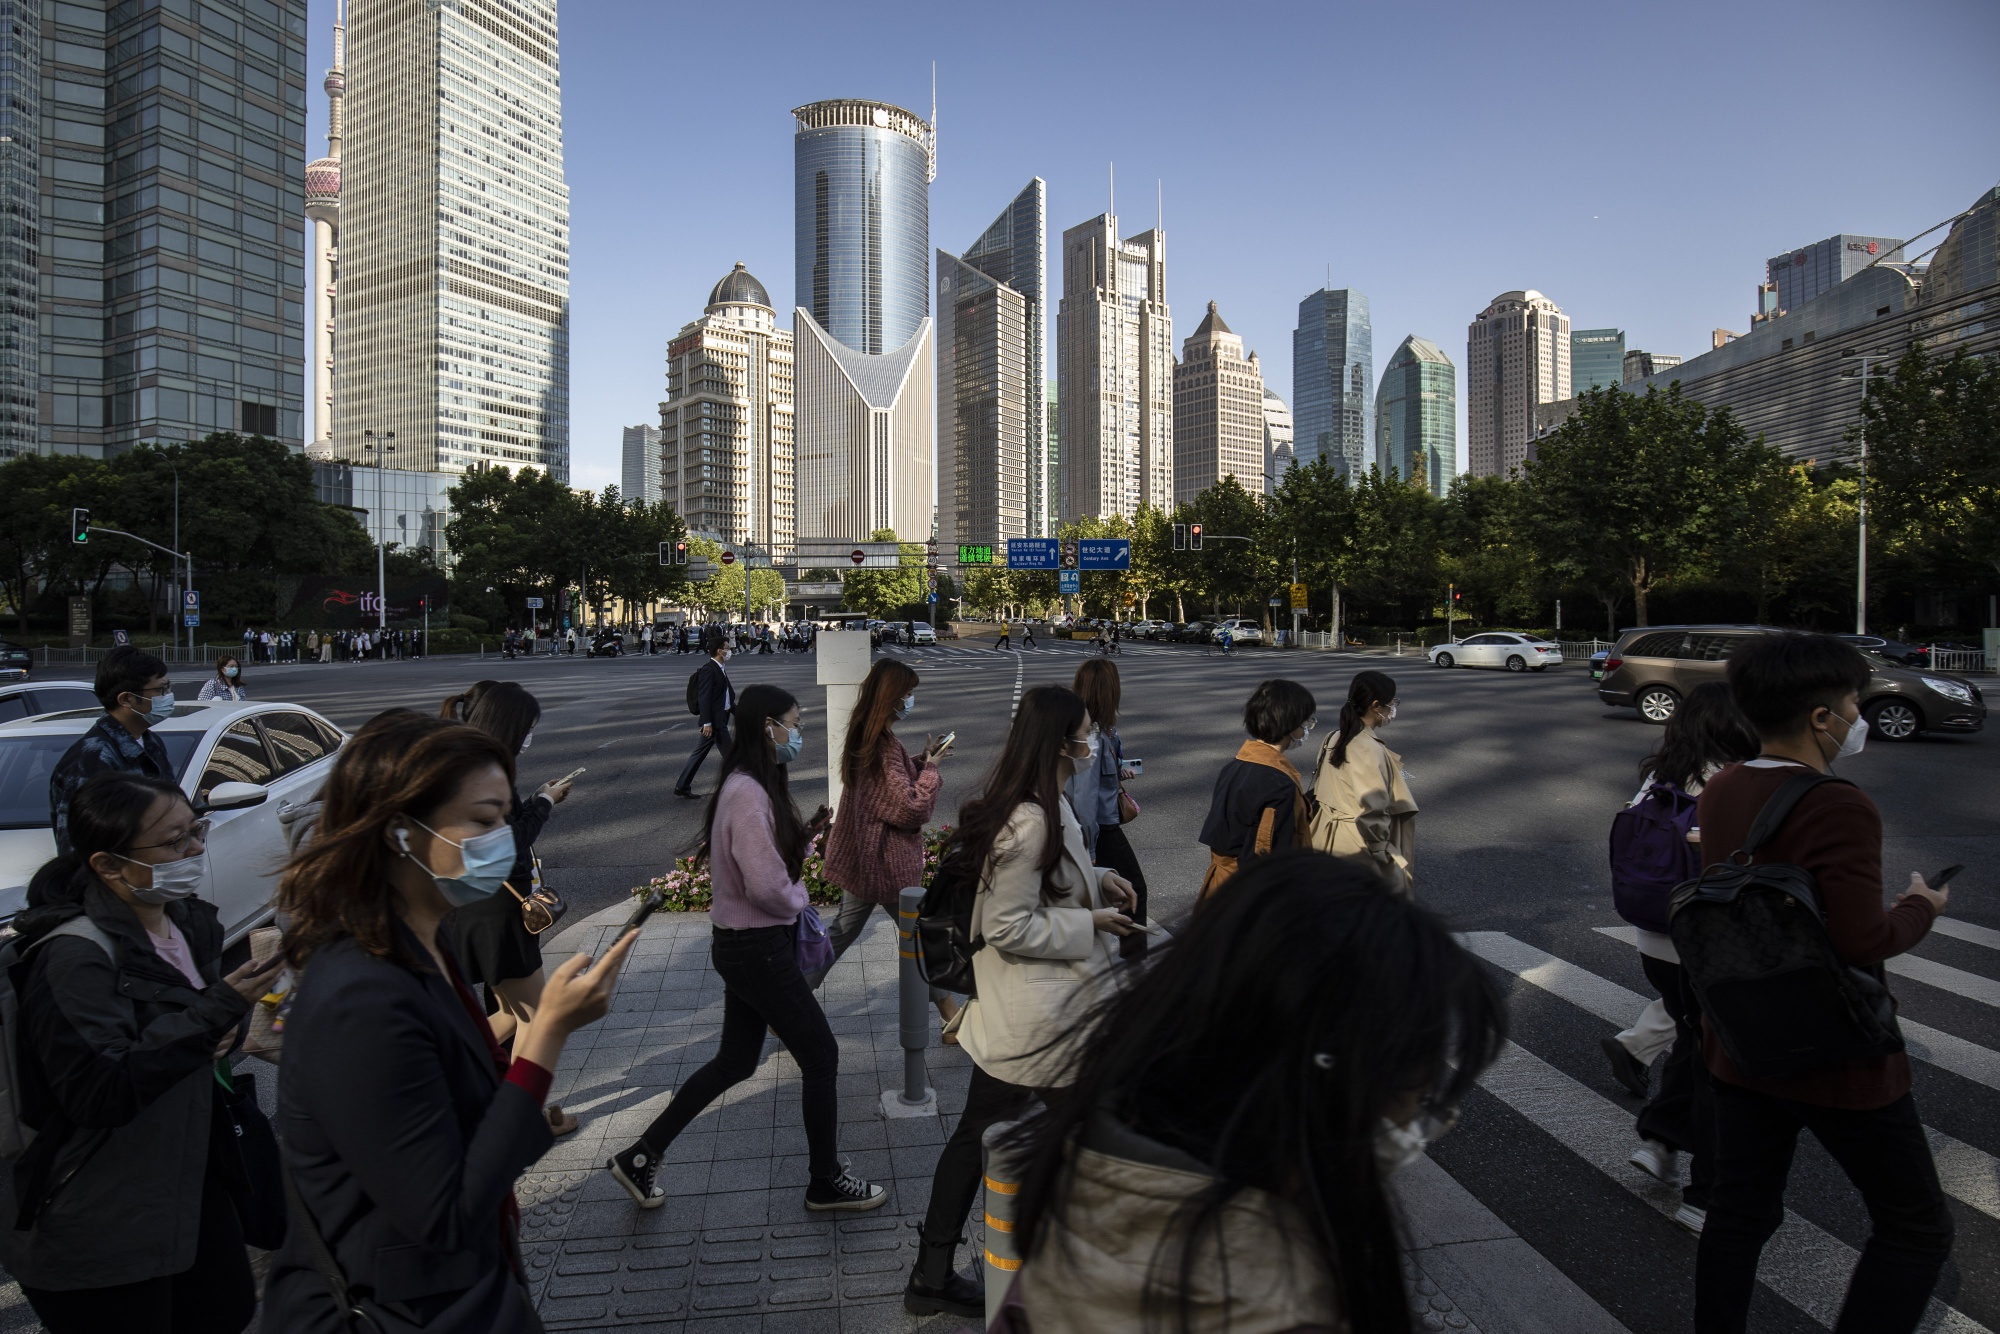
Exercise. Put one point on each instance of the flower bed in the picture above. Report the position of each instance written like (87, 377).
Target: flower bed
(688, 887)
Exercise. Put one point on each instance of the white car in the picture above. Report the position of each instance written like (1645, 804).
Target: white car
(255, 764)
(1240, 631)
(23, 699)
(1500, 648)
(921, 633)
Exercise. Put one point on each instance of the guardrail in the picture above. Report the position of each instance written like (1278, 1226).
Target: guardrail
(1581, 650)
(1959, 660)
(202, 655)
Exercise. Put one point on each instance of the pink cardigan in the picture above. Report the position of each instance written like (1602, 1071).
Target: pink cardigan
(751, 886)
(876, 847)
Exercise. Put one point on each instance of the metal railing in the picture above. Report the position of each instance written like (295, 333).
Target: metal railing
(201, 655)
(1959, 660)
(1580, 650)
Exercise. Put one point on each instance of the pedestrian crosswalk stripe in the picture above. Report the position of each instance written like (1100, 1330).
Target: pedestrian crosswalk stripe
(1803, 1263)
(1957, 930)
(1974, 1175)
(1955, 980)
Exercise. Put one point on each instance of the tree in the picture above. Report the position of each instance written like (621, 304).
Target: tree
(1234, 572)
(1798, 530)
(1485, 552)
(1933, 435)
(1312, 511)
(881, 591)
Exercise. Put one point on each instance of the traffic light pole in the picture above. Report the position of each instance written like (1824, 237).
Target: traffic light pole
(187, 564)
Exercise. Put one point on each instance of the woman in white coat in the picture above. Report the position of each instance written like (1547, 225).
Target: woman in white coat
(1364, 804)
(1049, 920)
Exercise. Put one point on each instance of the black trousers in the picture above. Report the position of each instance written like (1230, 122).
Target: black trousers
(762, 987)
(694, 761)
(988, 1101)
(1682, 1114)
(214, 1295)
(1886, 1156)
(1114, 853)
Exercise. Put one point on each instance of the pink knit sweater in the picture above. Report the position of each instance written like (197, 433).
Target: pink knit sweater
(751, 886)
(877, 845)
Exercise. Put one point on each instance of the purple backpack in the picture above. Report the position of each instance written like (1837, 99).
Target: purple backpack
(1650, 854)
(815, 951)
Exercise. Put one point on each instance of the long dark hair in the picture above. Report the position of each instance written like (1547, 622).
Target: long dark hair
(1029, 770)
(506, 712)
(1269, 1042)
(874, 712)
(105, 815)
(1706, 732)
(1367, 690)
(1097, 685)
(459, 707)
(750, 753)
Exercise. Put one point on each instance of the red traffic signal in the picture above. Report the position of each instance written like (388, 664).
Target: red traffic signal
(1194, 537)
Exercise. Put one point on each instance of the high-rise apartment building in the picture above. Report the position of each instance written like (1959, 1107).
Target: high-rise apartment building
(1416, 416)
(992, 455)
(1596, 358)
(726, 453)
(1638, 365)
(152, 257)
(1803, 274)
(1115, 371)
(1218, 411)
(639, 474)
(1333, 380)
(454, 245)
(861, 263)
(323, 211)
(1278, 452)
(1516, 356)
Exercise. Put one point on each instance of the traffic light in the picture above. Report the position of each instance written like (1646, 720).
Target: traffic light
(680, 553)
(666, 554)
(79, 526)
(1180, 537)
(1194, 537)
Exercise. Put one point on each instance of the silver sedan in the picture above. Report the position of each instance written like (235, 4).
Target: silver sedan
(1499, 648)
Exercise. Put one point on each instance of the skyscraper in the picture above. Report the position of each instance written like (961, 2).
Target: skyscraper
(1114, 371)
(1516, 356)
(454, 246)
(639, 475)
(1278, 451)
(1333, 380)
(1218, 411)
(1416, 416)
(152, 170)
(1637, 365)
(861, 198)
(323, 210)
(725, 444)
(1803, 274)
(1596, 358)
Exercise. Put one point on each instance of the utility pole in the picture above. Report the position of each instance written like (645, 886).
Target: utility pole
(179, 608)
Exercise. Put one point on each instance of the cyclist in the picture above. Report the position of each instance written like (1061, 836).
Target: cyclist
(1226, 637)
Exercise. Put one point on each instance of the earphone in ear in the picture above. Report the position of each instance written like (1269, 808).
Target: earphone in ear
(403, 840)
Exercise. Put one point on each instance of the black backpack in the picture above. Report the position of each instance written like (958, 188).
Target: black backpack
(694, 689)
(1753, 941)
(944, 939)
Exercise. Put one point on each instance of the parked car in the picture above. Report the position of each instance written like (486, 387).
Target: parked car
(1909, 655)
(20, 700)
(1191, 632)
(16, 661)
(1241, 631)
(1498, 648)
(252, 764)
(1652, 669)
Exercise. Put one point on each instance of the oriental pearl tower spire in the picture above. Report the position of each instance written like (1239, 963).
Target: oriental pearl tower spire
(323, 208)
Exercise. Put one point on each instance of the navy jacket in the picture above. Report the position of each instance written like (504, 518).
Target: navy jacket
(715, 695)
(405, 1142)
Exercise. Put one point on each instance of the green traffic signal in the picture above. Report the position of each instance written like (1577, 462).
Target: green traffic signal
(79, 526)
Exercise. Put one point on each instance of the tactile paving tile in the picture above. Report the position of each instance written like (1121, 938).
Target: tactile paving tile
(1428, 1304)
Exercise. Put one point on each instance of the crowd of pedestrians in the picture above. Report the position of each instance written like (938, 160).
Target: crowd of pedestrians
(1203, 1130)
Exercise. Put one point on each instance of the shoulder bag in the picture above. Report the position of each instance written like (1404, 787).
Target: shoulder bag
(541, 907)
(353, 1315)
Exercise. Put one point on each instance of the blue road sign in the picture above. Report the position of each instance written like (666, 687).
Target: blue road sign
(191, 620)
(120, 638)
(1104, 553)
(534, 604)
(933, 595)
(1069, 581)
(1033, 553)
(191, 602)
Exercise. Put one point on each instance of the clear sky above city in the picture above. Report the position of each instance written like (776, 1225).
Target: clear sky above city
(1635, 163)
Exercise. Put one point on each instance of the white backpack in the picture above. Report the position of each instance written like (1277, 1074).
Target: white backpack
(15, 1134)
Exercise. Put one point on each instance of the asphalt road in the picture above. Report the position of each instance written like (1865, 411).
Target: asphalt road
(1518, 777)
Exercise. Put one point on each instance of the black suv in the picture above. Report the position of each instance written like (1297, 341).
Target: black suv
(1651, 669)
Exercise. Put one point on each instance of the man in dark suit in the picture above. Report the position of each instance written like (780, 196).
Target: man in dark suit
(715, 698)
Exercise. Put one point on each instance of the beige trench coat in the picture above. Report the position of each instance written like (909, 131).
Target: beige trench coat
(1365, 807)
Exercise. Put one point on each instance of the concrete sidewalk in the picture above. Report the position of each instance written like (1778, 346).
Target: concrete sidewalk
(733, 1249)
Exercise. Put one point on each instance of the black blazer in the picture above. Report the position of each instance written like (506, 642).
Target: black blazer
(715, 696)
(405, 1141)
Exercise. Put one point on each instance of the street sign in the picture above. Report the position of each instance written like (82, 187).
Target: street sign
(120, 638)
(830, 591)
(191, 601)
(933, 596)
(1069, 581)
(975, 553)
(1067, 558)
(728, 557)
(1277, 602)
(699, 570)
(1104, 553)
(1033, 553)
(534, 604)
(1298, 597)
(191, 621)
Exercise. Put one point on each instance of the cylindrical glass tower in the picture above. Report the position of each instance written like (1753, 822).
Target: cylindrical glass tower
(863, 224)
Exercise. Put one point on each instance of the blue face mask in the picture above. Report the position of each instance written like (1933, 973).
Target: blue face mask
(488, 857)
(159, 710)
(788, 749)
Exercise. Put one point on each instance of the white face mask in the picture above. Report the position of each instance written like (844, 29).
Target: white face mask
(529, 739)
(1392, 712)
(1856, 738)
(1399, 1146)
(171, 880)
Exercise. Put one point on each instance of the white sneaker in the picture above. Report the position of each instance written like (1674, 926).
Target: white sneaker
(1655, 1160)
(1691, 1218)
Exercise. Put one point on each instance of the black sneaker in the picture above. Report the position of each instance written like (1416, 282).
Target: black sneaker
(846, 1192)
(635, 1169)
(1625, 1067)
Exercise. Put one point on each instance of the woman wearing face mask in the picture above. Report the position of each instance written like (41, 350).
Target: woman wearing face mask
(876, 847)
(1049, 921)
(1365, 807)
(1258, 806)
(1222, 1160)
(227, 683)
(1095, 792)
(404, 1124)
(755, 845)
(490, 938)
(117, 1217)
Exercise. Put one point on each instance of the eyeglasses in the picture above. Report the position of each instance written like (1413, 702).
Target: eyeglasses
(196, 833)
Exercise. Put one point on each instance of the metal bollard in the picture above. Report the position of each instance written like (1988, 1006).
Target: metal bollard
(1003, 1189)
(916, 1097)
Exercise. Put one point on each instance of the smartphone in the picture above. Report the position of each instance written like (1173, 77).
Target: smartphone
(570, 776)
(944, 743)
(1943, 878)
(647, 907)
(1136, 767)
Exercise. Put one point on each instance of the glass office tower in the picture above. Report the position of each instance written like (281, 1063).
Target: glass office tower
(1596, 359)
(20, 205)
(1014, 251)
(1416, 416)
(1333, 380)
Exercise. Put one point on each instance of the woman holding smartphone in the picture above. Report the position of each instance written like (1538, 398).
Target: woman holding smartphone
(755, 846)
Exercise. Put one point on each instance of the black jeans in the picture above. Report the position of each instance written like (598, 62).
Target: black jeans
(701, 748)
(762, 987)
(1682, 1114)
(1114, 853)
(214, 1295)
(1886, 1156)
(988, 1101)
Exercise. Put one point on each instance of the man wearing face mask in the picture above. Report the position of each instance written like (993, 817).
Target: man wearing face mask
(132, 686)
(714, 698)
(1801, 694)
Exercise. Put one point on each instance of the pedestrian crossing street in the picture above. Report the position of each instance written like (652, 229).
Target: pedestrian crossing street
(980, 653)
(1579, 1115)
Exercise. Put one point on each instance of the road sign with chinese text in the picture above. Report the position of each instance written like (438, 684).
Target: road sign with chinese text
(1104, 553)
(1069, 581)
(1298, 597)
(1033, 553)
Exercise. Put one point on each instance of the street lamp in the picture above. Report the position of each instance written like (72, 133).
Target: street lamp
(1861, 494)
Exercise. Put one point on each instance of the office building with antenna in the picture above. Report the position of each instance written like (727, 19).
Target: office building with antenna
(323, 211)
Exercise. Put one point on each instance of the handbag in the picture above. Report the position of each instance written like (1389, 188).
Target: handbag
(1128, 807)
(353, 1315)
(251, 1173)
(541, 907)
(815, 948)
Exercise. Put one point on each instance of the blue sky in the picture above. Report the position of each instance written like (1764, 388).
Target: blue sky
(1635, 163)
